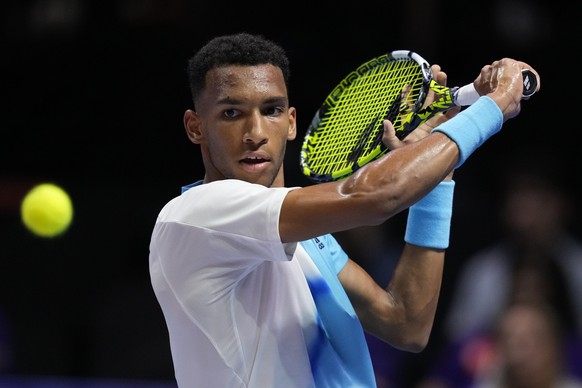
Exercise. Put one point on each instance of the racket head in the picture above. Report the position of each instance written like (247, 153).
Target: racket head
(346, 131)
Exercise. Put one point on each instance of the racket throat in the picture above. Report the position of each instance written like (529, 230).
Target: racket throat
(365, 142)
(371, 137)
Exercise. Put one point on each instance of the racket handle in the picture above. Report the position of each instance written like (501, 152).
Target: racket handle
(465, 95)
(468, 95)
(530, 83)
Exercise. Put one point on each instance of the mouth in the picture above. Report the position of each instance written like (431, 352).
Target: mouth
(254, 160)
(255, 163)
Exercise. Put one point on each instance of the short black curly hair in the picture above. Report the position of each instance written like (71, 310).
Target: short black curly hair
(237, 49)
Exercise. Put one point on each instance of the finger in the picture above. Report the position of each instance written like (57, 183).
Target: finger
(439, 75)
(389, 137)
(442, 78)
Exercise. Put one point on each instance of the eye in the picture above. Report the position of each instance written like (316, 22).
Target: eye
(274, 110)
(231, 113)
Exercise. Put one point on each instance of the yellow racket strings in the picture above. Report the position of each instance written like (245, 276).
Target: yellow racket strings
(351, 130)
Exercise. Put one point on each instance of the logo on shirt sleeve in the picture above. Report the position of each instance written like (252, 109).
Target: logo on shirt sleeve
(319, 243)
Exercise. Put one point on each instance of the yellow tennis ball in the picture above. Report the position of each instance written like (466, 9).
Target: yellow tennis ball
(47, 210)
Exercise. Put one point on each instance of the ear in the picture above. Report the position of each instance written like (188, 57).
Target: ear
(192, 125)
(292, 133)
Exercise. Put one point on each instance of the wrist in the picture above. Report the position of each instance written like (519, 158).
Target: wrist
(429, 220)
(472, 127)
(504, 102)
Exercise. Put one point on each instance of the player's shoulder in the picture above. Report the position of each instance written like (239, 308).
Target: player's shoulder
(227, 196)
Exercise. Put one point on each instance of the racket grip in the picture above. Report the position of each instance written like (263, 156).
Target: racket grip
(465, 95)
(468, 95)
(530, 83)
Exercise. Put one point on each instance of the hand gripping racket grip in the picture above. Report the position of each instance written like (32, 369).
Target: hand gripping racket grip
(467, 95)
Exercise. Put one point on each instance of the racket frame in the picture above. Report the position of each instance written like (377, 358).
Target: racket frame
(404, 123)
(311, 135)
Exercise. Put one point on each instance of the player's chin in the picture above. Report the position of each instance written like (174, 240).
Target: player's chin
(259, 173)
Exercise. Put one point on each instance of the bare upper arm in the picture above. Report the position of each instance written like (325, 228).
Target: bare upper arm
(325, 208)
(370, 300)
(401, 314)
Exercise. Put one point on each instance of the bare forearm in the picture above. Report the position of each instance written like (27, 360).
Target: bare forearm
(405, 317)
(405, 175)
(373, 194)
(415, 290)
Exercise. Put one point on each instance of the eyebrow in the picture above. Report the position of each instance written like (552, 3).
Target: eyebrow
(278, 100)
(272, 100)
(229, 101)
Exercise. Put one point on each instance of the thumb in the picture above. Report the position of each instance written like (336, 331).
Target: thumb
(389, 136)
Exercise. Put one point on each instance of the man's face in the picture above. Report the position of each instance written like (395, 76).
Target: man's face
(243, 122)
(529, 345)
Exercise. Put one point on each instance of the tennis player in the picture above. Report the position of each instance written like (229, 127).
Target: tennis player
(255, 290)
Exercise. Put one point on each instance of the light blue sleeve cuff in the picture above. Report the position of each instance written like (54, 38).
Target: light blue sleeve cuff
(429, 220)
(473, 126)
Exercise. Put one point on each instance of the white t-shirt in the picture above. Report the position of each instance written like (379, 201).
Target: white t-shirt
(242, 308)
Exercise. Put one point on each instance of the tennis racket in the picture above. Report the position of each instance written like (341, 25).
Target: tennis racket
(346, 131)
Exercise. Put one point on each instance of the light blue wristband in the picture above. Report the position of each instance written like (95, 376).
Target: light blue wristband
(473, 126)
(429, 220)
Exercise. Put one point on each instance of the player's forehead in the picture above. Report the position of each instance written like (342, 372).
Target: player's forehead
(263, 75)
(244, 82)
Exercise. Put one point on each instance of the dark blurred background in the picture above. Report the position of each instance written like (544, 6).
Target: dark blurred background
(93, 94)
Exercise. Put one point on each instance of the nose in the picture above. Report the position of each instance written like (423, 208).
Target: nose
(255, 131)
